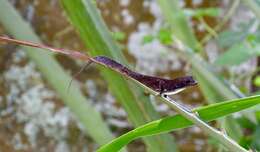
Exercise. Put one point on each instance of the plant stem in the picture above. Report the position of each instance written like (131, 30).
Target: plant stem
(210, 30)
(221, 137)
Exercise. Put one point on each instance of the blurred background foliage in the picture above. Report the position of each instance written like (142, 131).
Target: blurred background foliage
(37, 113)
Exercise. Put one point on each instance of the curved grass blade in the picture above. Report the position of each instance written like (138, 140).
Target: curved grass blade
(207, 113)
(85, 17)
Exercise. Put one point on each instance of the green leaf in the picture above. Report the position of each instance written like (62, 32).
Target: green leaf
(251, 38)
(200, 12)
(119, 36)
(257, 115)
(246, 123)
(236, 55)
(165, 36)
(148, 38)
(229, 38)
(207, 113)
(257, 81)
(255, 139)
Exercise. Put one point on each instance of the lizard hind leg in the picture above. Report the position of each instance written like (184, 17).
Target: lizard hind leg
(81, 70)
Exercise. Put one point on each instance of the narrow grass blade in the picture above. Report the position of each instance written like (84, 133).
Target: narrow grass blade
(55, 75)
(206, 78)
(85, 17)
(207, 113)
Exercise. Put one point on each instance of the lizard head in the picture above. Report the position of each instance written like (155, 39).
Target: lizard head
(176, 85)
(187, 81)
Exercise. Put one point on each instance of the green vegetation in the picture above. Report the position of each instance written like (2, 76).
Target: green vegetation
(225, 91)
(207, 113)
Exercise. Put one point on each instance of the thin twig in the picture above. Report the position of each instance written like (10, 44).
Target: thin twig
(194, 117)
(210, 30)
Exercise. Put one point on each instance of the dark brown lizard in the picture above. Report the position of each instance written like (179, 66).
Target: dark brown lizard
(160, 85)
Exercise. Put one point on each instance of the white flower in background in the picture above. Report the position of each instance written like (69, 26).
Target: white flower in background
(196, 2)
(62, 147)
(128, 19)
(124, 3)
(106, 104)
